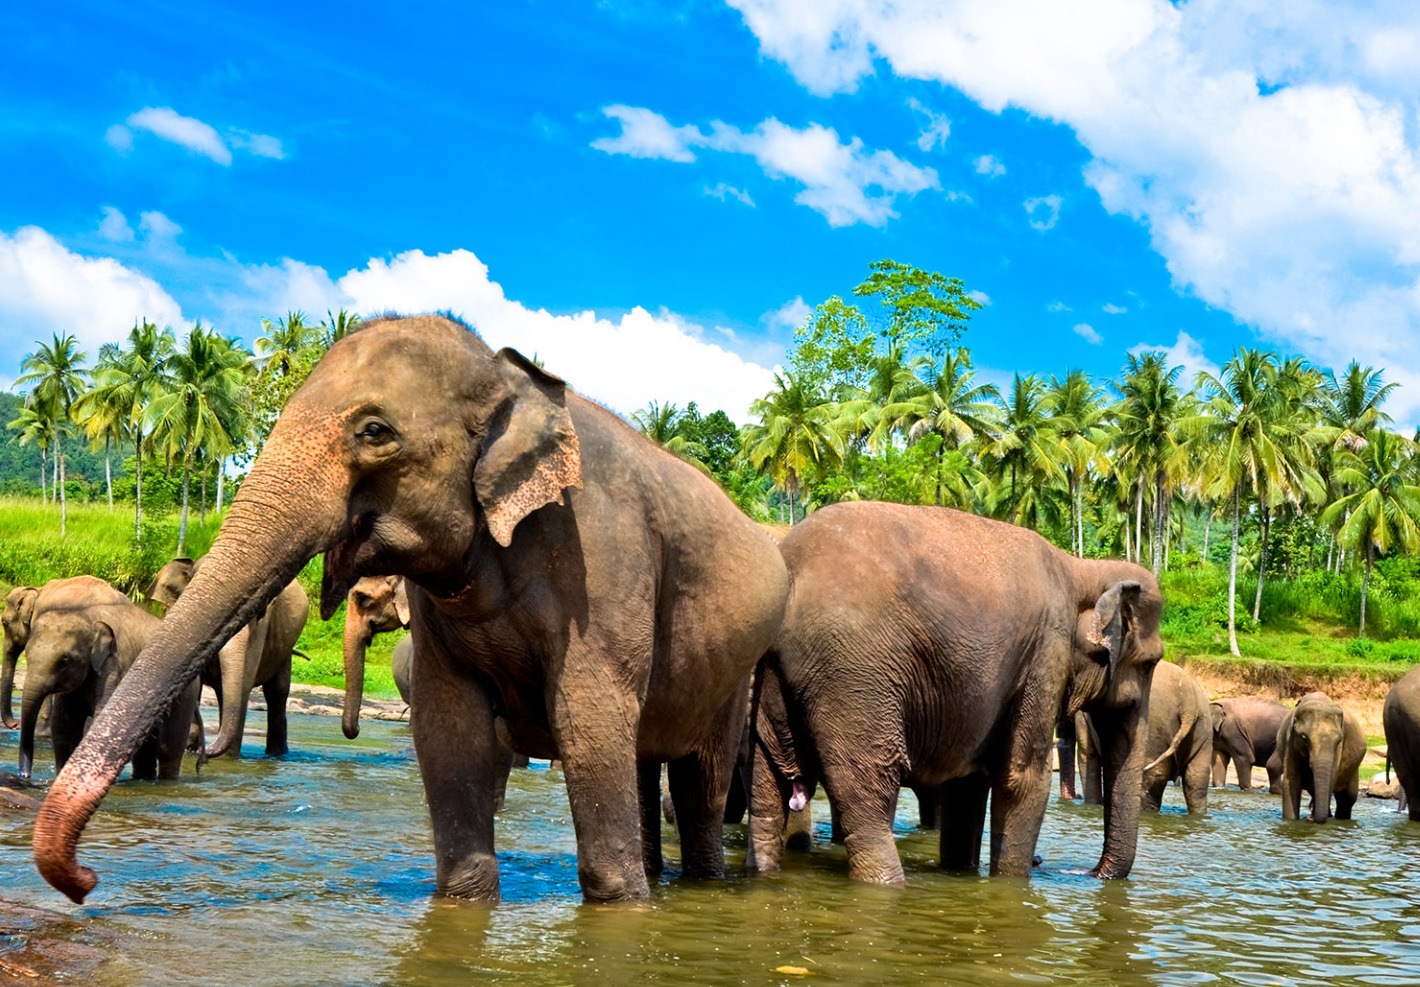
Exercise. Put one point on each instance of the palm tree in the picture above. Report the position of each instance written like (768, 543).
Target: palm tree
(1081, 431)
(101, 416)
(1149, 441)
(286, 341)
(949, 404)
(33, 429)
(1381, 508)
(1025, 446)
(892, 378)
(661, 424)
(192, 415)
(1251, 446)
(1348, 409)
(795, 433)
(57, 373)
(336, 327)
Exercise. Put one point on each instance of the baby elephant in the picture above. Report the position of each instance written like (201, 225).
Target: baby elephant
(1319, 750)
(1245, 732)
(1180, 739)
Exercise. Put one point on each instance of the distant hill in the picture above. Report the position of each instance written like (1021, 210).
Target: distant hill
(19, 465)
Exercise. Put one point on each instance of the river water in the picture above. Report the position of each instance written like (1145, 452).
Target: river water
(318, 870)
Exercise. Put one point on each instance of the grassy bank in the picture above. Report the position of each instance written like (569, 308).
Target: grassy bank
(101, 543)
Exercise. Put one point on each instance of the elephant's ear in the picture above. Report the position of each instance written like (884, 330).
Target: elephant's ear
(1112, 613)
(105, 648)
(530, 453)
(25, 604)
(401, 601)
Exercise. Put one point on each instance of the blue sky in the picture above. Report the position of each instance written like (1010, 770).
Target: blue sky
(651, 195)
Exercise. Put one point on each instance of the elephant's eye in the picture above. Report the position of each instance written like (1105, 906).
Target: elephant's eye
(374, 431)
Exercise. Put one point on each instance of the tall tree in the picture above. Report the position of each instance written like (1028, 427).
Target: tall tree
(950, 404)
(924, 309)
(285, 343)
(794, 435)
(1149, 417)
(102, 418)
(1024, 450)
(661, 423)
(336, 326)
(32, 428)
(1080, 429)
(55, 375)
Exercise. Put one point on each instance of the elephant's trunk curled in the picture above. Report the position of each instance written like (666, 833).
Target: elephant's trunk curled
(263, 544)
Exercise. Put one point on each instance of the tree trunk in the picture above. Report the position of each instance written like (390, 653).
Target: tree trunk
(1262, 561)
(108, 470)
(1139, 523)
(43, 477)
(1159, 534)
(1366, 584)
(202, 511)
(63, 501)
(221, 471)
(138, 488)
(1207, 525)
(1233, 580)
(182, 522)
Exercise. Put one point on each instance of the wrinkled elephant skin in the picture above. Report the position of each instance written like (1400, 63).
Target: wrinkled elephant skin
(1180, 739)
(1401, 717)
(1245, 733)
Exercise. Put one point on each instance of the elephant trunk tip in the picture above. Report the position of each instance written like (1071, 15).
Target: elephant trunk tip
(56, 839)
(351, 730)
(218, 747)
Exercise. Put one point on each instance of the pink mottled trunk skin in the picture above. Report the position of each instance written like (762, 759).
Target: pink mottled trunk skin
(263, 544)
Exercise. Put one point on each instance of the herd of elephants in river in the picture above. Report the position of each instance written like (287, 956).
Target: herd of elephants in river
(575, 592)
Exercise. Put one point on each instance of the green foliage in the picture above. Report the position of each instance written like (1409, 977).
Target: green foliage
(923, 307)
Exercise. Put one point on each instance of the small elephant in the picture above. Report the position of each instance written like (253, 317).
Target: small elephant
(19, 608)
(84, 637)
(1320, 747)
(257, 655)
(1079, 745)
(1180, 739)
(1245, 732)
(374, 605)
(1401, 717)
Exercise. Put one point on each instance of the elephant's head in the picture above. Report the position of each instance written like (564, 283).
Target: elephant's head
(1314, 733)
(376, 604)
(410, 449)
(67, 651)
(19, 609)
(170, 581)
(1116, 646)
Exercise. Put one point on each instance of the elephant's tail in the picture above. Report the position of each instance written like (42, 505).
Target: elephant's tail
(1185, 726)
(301, 654)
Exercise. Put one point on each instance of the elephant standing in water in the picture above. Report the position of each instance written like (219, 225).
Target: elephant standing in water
(1401, 717)
(928, 645)
(259, 654)
(1180, 739)
(601, 596)
(84, 636)
(19, 608)
(1245, 732)
(1320, 747)
(375, 605)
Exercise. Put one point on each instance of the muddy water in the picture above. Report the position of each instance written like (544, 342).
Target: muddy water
(318, 870)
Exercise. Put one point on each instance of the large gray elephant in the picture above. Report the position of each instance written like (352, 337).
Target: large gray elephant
(375, 605)
(923, 644)
(1245, 733)
(1401, 718)
(1180, 741)
(601, 596)
(19, 608)
(84, 637)
(259, 654)
(1320, 746)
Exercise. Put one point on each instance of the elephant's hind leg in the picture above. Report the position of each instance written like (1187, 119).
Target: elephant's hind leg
(700, 784)
(1195, 783)
(962, 817)
(276, 691)
(865, 795)
(648, 782)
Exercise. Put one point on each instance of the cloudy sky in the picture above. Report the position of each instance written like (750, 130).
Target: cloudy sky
(650, 196)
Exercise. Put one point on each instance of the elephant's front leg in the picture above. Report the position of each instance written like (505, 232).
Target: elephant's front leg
(594, 721)
(1019, 797)
(1242, 764)
(277, 690)
(699, 784)
(648, 775)
(962, 817)
(451, 719)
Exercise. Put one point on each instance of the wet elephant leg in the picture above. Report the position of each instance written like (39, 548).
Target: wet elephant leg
(648, 780)
(799, 830)
(1242, 764)
(768, 812)
(963, 821)
(173, 730)
(66, 720)
(1220, 769)
(1066, 740)
(1195, 783)
(1346, 794)
(1018, 800)
(929, 806)
(866, 797)
(277, 690)
(699, 783)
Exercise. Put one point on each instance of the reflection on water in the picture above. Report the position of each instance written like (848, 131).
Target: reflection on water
(318, 870)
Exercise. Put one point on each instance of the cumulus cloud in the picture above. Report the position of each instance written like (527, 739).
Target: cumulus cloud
(1087, 332)
(937, 130)
(844, 182)
(1057, 307)
(196, 135)
(1186, 352)
(723, 192)
(114, 226)
(47, 288)
(981, 297)
(1269, 149)
(990, 166)
(791, 315)
(1109, 308)
(1043, 212)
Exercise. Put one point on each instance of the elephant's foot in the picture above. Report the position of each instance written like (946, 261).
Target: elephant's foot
(608, 883)
(873, 859)
(476, 879)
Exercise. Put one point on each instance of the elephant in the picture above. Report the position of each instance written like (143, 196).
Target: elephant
(1180, 739)
(1245, 732)
(601, 596)
(376, 604)
(1078, 746)
(1320, 746)
(1401, 718)
(258, 654)
(926, 645)
(19, 608)
(84, 637)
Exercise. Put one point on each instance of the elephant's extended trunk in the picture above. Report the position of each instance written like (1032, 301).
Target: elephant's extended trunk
(7, 688)
(291, 507)
(29, 720)
(1122, 763)
(357, 640)
(1323, 776)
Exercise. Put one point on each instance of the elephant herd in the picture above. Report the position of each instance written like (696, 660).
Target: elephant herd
(573, 591)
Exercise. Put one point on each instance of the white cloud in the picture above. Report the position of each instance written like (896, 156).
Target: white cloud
(722, 191)
(791, 315)
(46, 288)
(981, 297)
(938, 129)
(188, 132)
(114, 226)
(1057, 307)
(845, 183)
(1186, 352)
(1087, 332)
(261, 145)
(1109, 308)
(1271, 150)
(990, 166)
(120, 138)
(1043, 212)
(156, 226)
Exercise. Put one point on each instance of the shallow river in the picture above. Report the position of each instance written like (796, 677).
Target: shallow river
(318, 870)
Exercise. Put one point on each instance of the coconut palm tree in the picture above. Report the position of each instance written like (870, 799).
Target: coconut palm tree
(57, 376)
(336, 327)
(864, 413)
(1025, 452)
(1082, 432)
(1149, 441)
(32, 428)
(794, 435)
(1380, 511)
(286, 342)
(661, 424)
(193, 414)
(102, 417)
